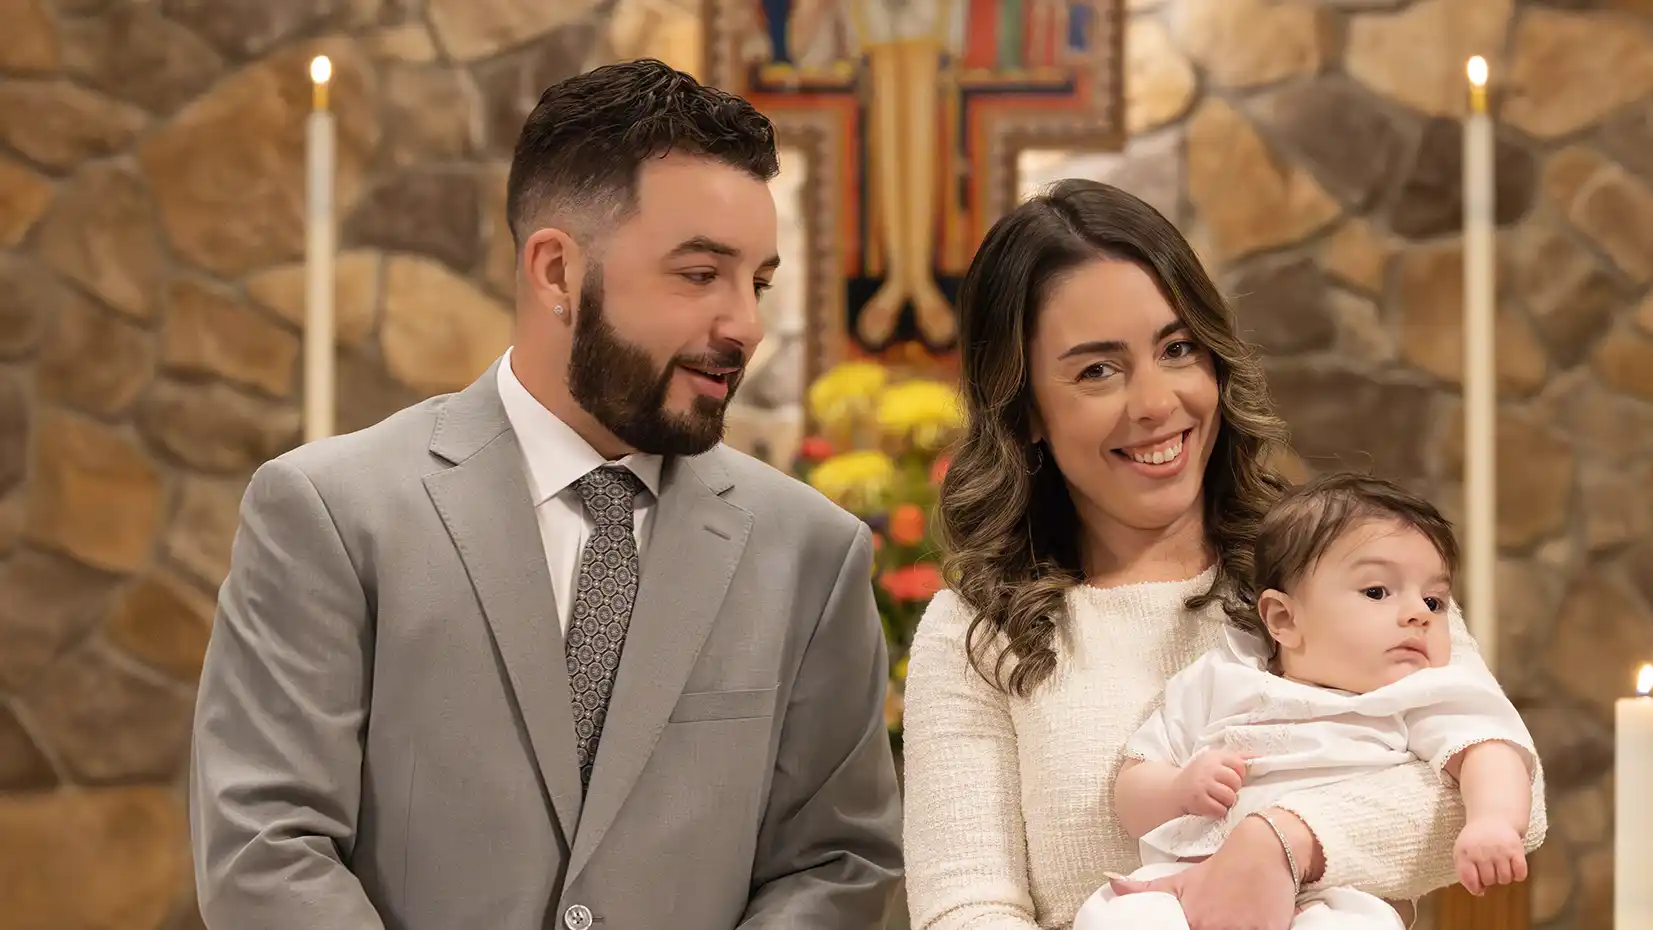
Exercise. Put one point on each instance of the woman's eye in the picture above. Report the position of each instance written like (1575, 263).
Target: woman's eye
(1097, 370)
(1182, 348)
(700, 277)
(1375, 592)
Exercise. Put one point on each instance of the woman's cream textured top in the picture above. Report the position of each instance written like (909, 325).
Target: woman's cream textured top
(1009, 801)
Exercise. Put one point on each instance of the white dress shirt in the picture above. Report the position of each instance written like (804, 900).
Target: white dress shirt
(555, 457)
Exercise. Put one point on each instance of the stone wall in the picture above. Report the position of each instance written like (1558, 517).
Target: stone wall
(151, 229)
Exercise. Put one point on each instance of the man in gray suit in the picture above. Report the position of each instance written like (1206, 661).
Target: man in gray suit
(543, 653)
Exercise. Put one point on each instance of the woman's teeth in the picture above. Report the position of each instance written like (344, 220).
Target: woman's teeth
(1158, 456)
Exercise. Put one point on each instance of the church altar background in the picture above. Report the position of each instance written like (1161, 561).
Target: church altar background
(151, 226)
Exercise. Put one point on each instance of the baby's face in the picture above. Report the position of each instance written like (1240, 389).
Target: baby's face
(1371, 612)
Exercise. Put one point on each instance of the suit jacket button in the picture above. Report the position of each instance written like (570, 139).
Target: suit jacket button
(577, 917)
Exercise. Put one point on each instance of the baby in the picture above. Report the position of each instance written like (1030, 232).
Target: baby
(1338, 664)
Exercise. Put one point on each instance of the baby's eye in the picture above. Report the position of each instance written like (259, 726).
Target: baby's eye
(1436, 604)
(1375, 592)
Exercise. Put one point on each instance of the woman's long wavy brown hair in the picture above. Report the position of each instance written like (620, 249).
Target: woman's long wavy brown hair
(1010, 528)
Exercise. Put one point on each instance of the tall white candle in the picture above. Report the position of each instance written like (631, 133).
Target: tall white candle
(1633, 808)
(1480, 375)
(319, 245)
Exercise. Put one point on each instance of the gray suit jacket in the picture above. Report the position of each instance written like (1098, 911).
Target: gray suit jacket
(383, 736)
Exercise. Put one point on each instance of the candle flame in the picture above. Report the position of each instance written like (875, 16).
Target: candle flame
(1644, 680)
(1478, 71)
(320, 69)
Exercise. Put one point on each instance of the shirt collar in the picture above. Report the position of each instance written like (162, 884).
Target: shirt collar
(556, 455)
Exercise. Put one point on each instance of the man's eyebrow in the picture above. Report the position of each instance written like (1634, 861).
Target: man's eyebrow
(706, 245)
(698, 245)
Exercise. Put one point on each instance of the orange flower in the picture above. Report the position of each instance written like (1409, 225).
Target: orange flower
(917, 582)
(938, 471)
(907, 524)
(815, 449)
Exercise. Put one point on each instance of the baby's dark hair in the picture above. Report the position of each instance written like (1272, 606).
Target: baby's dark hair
(1308, 519)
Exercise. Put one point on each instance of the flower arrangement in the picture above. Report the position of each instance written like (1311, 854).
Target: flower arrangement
(880, 453)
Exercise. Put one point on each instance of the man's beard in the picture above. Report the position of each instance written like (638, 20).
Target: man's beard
(618, 384)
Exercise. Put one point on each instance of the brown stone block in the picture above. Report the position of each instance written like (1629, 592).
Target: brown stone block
(15, 417)
(433, 213)
(1160, 84)
(23, 767)
(203, 528)
(1359, 255)
(1615, 211)
(107, 723)
(1248, 197)
(367, 392)
(31, 40)
(244, 29)
(1429, 201)
(1569, 70)
(210, 331)
(60, 125)
(1536, 469)
(357, 288)
(1570, 297)
(228, 170)
(164, 623)
(472, 29)
(1628, 137)
(29, 296)
(214, 427)
(1342, 133)
(94, 494)
(109, 859)
(499, 269)
(1604, 635)
(1282, 307)
(511, 84)
(440, 333)
(1625, 362)
(1576, 748)
(23, 198)
(1283, 40)
(1430, 295)
(101, 234)
(47, 603)
(431, 114)
(1344, 419)
(1416, 56)
(94, 360)
(136, 54)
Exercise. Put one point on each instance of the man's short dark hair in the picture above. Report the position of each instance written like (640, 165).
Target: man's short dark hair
(581, 148)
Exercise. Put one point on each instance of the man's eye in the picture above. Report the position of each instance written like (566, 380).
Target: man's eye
(700, 277)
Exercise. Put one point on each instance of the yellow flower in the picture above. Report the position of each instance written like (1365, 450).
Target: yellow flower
(857, 481)
(924, 411)
(899, 673)
(846, 392)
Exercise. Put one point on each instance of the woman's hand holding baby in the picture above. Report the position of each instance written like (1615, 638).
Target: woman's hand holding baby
(1210, 783)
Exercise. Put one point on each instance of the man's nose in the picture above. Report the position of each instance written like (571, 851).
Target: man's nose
(743, 324)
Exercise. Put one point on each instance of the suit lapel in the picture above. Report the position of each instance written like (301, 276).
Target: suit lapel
(485, 502)
(697, 540)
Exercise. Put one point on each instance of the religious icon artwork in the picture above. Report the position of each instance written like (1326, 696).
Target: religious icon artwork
(912, 114)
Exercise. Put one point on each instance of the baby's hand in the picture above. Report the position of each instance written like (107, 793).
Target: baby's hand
(1489, 852)
(1210, 784)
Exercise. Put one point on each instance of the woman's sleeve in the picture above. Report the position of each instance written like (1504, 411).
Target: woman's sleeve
(1391, 834)
(965, 842)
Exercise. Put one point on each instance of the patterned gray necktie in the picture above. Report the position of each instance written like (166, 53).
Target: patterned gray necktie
(603, 598)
